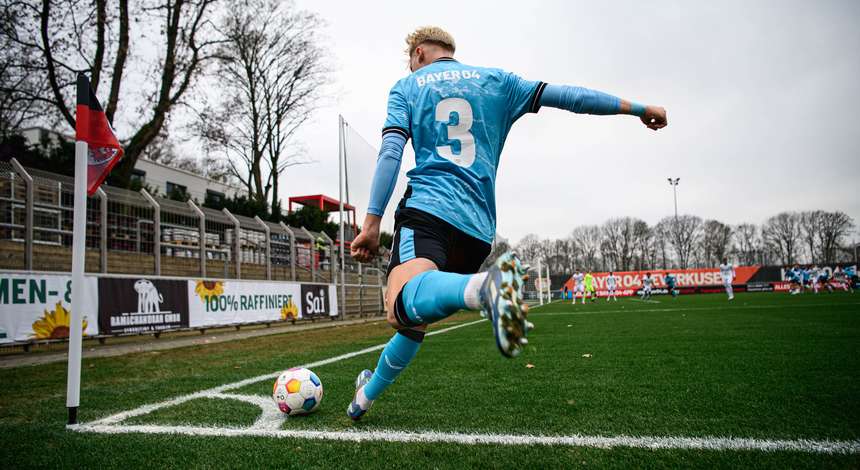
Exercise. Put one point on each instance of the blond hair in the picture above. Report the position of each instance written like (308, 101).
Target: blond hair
(429, 34)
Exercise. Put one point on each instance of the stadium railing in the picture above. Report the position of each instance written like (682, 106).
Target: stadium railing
(137, 233)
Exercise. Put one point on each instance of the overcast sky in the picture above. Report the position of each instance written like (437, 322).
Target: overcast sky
(762, 100)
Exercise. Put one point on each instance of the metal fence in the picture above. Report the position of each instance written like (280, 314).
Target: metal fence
(132, 232)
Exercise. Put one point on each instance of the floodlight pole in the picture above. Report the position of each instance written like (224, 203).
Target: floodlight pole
(674, 183)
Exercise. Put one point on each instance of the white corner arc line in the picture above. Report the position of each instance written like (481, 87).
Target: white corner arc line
(603, 442)
(146, 409)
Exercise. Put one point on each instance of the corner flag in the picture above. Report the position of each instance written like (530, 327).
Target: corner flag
(96, 152)
(93, 128)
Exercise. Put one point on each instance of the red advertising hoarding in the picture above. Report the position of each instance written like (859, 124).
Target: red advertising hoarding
(629, 282)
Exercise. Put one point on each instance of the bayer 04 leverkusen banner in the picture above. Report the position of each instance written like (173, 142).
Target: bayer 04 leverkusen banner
(686, 280)
(140, 305)
(92, 127)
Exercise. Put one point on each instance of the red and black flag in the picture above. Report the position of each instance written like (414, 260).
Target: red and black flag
(94, 129)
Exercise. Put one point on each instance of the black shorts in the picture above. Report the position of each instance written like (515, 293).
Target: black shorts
(418, 234)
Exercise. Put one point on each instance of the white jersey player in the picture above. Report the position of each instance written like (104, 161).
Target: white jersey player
(727, 272)
(578, 286)
(611, 285)
(647, 283)
(814, 272)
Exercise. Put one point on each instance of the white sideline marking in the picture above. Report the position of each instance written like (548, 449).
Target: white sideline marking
(691, 309)
(146, 409)
(649, 301)
(603, 442)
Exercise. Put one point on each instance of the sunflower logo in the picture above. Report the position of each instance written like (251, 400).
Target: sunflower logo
(206, 289)
(54, 324)
(289, 311)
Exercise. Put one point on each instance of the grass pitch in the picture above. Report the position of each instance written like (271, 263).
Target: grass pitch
(765, 366)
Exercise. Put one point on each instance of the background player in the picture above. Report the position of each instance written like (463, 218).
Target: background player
(813, 277)
(727, 273)
(824, 280)
(590, 291)
(647, 282)
(669, 279)
(842, 277)
(578, 286)
(611, 284)
(794, 281)
(458, 117)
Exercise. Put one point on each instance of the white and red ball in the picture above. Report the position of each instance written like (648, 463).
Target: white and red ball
(297, 391)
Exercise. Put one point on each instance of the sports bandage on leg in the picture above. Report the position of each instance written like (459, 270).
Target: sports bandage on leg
(432, 296)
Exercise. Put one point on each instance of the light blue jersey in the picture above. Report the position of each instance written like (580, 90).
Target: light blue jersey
(458, 117)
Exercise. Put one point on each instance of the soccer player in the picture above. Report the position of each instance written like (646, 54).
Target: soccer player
(589, 287)
(669, 279)
(727, 272)
(824, 280)
(793, 275)
(611, 284)
(813, 278)
(579, 287)
(647, 282)
(458, 117)
(841, 276)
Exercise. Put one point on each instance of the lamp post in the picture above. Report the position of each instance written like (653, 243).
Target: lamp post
(674, 183)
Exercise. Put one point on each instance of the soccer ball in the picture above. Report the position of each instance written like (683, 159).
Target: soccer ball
(297, 391)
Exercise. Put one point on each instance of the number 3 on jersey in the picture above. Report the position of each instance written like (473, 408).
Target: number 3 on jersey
(459, 132)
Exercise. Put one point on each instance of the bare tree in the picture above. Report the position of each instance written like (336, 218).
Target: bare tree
(835, 227)
(272, 70)
(60, 38)
(586, 239)
(685, 232)
(529, 249)
(782, 233)
(747, 243)
(619, 237)
(716, 240)
(645, 251)
(810, 232)
(662, 234)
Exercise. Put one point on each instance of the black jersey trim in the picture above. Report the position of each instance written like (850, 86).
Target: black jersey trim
(397, 130)
(535, 106)
(445, 59)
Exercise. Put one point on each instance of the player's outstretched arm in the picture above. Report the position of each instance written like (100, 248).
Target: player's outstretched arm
(585, 101)
(366, 245)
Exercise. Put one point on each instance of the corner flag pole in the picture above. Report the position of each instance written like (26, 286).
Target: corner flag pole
(73, 383)
(97, 150)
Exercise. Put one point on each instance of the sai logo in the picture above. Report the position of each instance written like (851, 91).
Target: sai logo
(315, 301)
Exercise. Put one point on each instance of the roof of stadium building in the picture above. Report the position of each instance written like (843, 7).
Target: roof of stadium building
(325, 203)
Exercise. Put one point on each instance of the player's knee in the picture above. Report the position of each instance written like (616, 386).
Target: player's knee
(396, 310)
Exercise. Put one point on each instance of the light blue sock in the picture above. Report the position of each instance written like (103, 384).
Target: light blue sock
(433, 295)
(398, 353)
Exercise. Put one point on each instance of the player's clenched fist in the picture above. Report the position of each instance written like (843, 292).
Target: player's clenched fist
(655, 117)
(365, 246)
